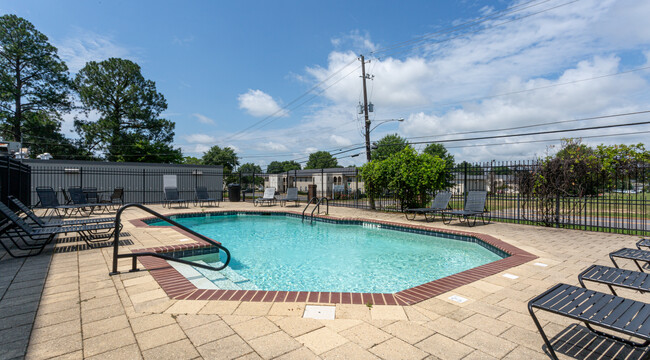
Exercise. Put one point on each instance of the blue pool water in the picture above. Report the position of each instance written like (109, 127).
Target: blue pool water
(283, 253)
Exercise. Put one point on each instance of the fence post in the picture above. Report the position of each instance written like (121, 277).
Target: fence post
(557, 210)
(322, 189)
(144, 184)
(465, 182)
(81, 177)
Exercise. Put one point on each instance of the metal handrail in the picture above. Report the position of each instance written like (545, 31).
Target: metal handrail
(134, 256)
(327, 210)
(306, 206)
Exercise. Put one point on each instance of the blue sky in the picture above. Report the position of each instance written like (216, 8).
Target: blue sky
(226, 66)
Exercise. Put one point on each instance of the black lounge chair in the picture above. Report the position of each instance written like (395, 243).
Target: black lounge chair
(292, 195)
(171, 197)
(611, 276)
(116, 199)
(440, 203)
(613, 313)
(79, 198)
(643, 243)
(267, 198)
(49, 201)
(49, 223)
(474, 207)
(14, 227)
(201, 197)
(640, 257)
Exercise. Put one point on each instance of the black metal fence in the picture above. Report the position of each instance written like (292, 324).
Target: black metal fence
(617, 201)
(144, 186)
(15, 179)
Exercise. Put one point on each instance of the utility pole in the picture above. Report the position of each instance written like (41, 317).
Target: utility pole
(365, 107)
(371, 200)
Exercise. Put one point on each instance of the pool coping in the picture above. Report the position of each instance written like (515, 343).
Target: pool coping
(177, 287)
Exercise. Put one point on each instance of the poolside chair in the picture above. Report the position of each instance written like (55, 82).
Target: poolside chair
(201, 197)
(116, 198)
(49, 223)
(171, 197)
(474, 207)
(267, 198)
(292, 195)
(49, 202)
(612, 276)
(440, 203)
(16, 228)
(92, 196)
(79, 198)
(610, 312)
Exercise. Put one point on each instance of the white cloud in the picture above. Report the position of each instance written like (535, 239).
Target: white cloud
(86, 46)
(272, 147)
(340, 140)
(260, 104)
(200, 139)
(182, 41)
(203, 119)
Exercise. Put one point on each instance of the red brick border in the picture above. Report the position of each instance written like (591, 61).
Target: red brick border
(178, 287)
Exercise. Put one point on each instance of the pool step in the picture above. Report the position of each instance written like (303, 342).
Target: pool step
(226, 279)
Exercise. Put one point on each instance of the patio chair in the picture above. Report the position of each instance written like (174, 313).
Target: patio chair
(92, 195)
(640, 257)
(440, 203)
(613, 313)
(171, 197)
(79, 198)
(116, 198)
(267, 198)
(474, 207)
(201, 196)
(48, 200)
(48, 223)
(611, 276)
(292, 195)
(39, 237)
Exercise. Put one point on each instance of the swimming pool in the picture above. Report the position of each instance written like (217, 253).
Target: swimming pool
(280, 252)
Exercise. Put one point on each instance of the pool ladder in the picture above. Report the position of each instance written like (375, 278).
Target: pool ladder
(317, 207)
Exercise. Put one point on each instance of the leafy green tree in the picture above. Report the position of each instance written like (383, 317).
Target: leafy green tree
(144, 150)
(42, 134)
(471, 169)
(321, 160)
(388, 145)
(623, 163)
(33, 79)
(129, 108)
(191, 160)
(439, 150)
(247, 170)
(409, 175)
(225, 157)
(276, 167)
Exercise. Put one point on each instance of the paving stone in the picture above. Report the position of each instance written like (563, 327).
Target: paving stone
(178, 350)
(106, 342)
(444, 348)
(220, 307)
(208, 332)
(253, 308)
(322, 340)
(14, 349)
(488, 343)
(365, 335)
(230, 347)
(349, 350)
(298, 326)
(449, 328)
(55, 331)
(384, 312)
(13, 321)
(255, 328)
(191, 321)
(186, 307)
(105, 326)
(160, 336)
(149, 322)
(487, 324)
(131, 352)
(398, 350)
(275, 344)
(408, 331)
(302, 353)
(287, 309)
(59, 346)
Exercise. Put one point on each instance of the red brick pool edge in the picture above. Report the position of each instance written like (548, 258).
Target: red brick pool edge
(179, 288)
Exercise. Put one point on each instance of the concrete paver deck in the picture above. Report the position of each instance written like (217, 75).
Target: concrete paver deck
(129, 316)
